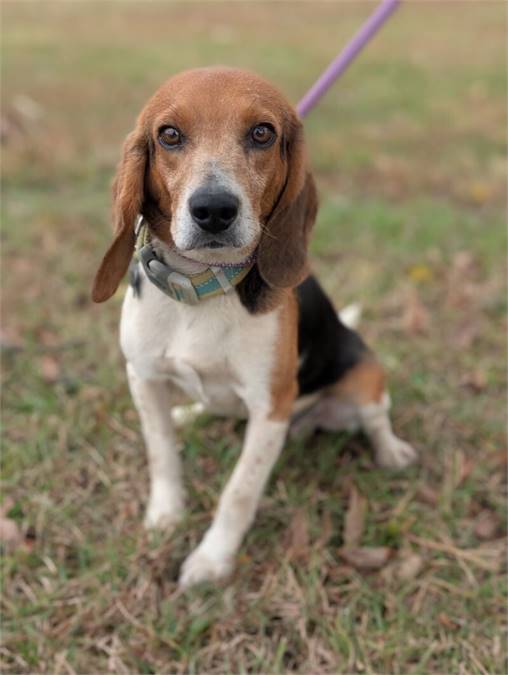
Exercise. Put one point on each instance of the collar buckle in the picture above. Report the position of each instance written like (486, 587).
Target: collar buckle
(182, 288)
(177, 286)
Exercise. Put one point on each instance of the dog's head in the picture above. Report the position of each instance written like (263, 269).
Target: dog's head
(217, 165)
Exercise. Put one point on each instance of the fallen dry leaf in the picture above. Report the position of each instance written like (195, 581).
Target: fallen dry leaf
(462, 280)
(10, 340)
(445, 621)
(420, 273)
(476, 381)
(409, 567)
(299, 535)
(6, 506)
(10, 534)
(48, 338)
(415, 319)
(326, 531)
(427, 495)
(50, 368)
(480, 192)
(355, 518)
(464, 466)
(457, 469)
(466, 333)
(404, 568)
(486, 524)
(366, 557)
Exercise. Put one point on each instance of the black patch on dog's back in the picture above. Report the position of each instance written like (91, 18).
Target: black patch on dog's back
(327, 348)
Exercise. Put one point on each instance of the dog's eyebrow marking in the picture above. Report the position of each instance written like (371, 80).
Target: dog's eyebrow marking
(172, 117)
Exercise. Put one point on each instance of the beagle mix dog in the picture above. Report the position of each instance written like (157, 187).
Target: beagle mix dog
(214, 195)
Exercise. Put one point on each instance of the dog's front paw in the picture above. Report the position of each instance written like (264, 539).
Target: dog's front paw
(201, 566)
(396, 454)
(162, 516)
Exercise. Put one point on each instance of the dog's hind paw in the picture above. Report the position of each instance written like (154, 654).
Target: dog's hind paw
(396, 454)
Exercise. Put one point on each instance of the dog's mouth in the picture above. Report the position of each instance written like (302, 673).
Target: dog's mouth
(222, 248)
(214, 244)
(223, 254)
(200, 241)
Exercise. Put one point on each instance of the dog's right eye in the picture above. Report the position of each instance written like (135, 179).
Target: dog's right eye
(170, 137)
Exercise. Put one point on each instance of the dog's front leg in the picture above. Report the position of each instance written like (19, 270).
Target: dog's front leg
(153, 401)
(214, 557)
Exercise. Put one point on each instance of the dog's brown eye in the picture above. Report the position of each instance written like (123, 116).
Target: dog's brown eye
(262, 135)
(169, 137)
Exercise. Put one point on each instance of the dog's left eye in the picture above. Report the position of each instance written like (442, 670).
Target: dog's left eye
(170, 137)
(262, 135)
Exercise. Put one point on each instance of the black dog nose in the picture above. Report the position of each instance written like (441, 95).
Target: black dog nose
(213, 211)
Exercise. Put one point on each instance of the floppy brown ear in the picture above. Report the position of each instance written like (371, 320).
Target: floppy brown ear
(282, 253)
(128, 190)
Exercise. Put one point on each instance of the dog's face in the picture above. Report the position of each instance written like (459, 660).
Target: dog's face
(218, 160)
(216, 164)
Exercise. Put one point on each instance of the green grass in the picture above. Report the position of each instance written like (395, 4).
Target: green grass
(409, 153)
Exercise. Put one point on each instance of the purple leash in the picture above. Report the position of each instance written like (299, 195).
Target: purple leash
(347, 55)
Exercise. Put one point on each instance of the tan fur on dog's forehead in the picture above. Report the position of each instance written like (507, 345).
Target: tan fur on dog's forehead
(233, 84)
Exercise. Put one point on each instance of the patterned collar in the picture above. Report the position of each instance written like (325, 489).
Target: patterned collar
(190, 288)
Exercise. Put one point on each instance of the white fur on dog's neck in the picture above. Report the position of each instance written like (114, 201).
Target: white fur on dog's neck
(182, 263)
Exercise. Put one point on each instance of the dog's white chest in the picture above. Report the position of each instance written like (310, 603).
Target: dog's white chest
(196, 359)
(215, 352)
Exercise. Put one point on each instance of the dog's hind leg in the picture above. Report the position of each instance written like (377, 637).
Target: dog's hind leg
(323, 411)
(358, 400)
(363, 387)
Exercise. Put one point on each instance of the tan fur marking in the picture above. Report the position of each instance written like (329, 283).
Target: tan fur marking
(363, 384)
(284, 387)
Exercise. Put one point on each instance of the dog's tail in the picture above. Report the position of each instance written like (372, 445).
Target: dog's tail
(351, 315)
